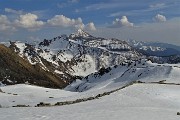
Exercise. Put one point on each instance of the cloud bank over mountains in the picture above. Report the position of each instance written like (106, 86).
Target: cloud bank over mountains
(31, 22)
(104, 19)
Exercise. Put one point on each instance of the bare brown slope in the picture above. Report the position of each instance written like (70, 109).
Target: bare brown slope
(19, 70)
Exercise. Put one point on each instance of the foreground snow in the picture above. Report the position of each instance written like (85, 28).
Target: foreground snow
(31, 95)
(136, 102)
(93, 85)
(140, 101)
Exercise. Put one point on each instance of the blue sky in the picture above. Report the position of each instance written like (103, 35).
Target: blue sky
(124, 19)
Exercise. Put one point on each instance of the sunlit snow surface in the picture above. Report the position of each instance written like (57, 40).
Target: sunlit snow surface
(137, 102)
(141, 101)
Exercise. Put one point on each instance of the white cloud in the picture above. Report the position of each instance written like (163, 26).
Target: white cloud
(121, 22)
(29, 21)
(4, 19)
(5, 24)
(63, 21)
(143, 11)
(157, 6)
(9, 10)
(4, 27)
(159, 18)
(90, 27)
(167, 32)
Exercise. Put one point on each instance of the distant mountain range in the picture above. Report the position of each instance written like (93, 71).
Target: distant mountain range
(155, 48)
(59, 61)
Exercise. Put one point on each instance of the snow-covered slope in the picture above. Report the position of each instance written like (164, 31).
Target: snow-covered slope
(105, 80)
(76, 55)
(157, 98)
(114, 77)
(30, 95)
(136, 102)
(15, 69)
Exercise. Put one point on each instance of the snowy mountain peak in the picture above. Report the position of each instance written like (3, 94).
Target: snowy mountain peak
(82, 33)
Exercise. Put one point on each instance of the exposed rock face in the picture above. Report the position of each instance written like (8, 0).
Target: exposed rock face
(15, 69)
(1, 90)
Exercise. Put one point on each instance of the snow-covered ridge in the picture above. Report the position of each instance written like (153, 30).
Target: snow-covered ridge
(78, 54)
(114, 77)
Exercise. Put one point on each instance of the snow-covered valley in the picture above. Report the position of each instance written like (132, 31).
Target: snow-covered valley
(136, 102)
(155, 96)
